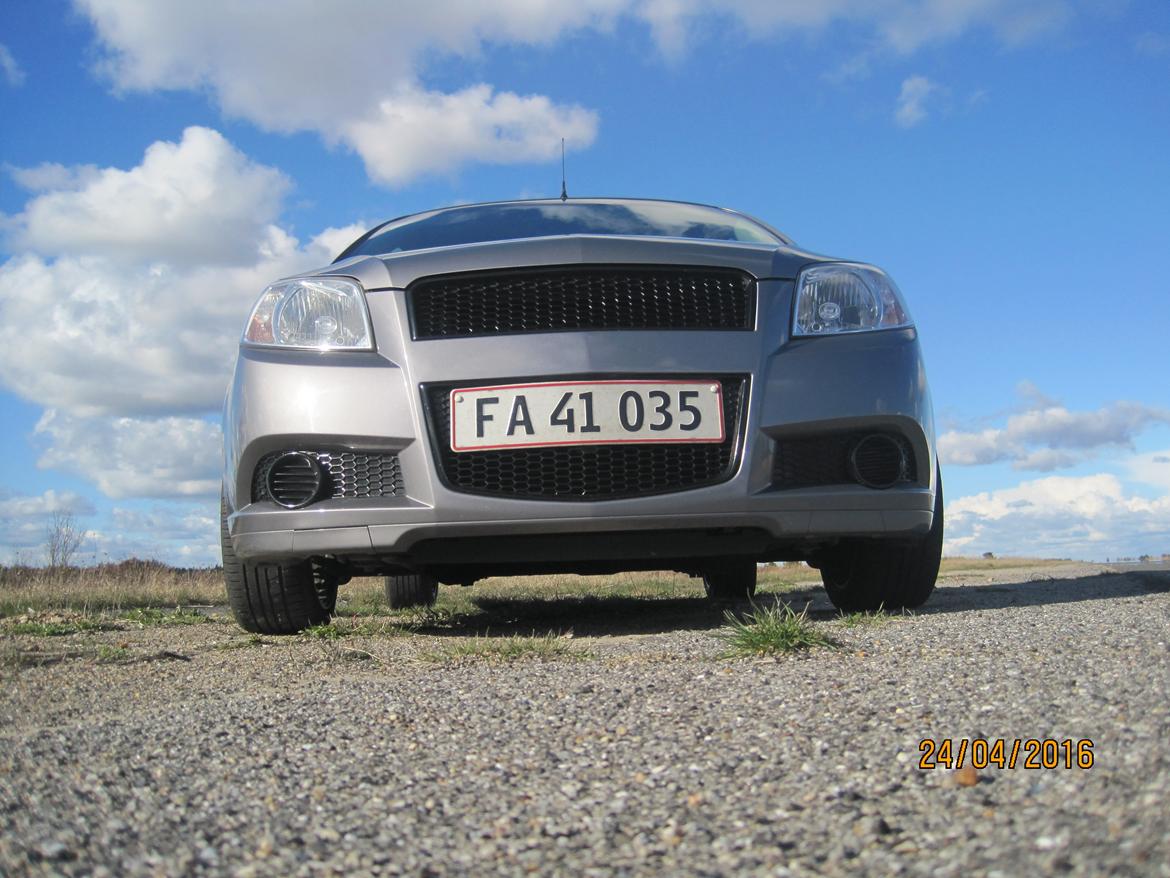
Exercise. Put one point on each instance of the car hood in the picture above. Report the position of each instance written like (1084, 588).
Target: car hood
(398, 270)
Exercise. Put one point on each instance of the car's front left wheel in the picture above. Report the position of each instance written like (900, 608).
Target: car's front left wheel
(275, 598)
(867, 576)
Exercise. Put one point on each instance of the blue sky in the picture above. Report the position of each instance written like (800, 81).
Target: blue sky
(1005, 161)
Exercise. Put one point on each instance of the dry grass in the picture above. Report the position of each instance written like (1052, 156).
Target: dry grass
(365, 597)
(962, 564)
(132, 584)
(505, 650)
(137, 584)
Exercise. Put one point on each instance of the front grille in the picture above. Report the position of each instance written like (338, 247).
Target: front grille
(587, 472)
(582, 299)
(348, 474)
(813, 461)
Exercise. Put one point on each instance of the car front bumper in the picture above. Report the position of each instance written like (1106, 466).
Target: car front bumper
(284, 400)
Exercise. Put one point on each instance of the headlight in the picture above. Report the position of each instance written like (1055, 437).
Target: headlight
(324, 313)
(841, 297)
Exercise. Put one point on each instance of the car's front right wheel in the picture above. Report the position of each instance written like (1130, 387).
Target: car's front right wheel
(274, 598)
(730, 579)
(867, 576)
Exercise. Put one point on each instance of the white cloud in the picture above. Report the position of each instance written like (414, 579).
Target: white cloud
(1048, 436)
(907, 26)
(13, 74)
(424, 130)
(186, 535)
(900, 26)
(196, 202)
(52, 175)
(182, 534)
(1152, 45)
(912, 100)
(1152, 468)
(26, 506)
(132, 457)
(25, 520)
(355, 73)
(141, 309)
(1089, 517)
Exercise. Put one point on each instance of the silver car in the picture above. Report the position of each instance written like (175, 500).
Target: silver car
(590, 385)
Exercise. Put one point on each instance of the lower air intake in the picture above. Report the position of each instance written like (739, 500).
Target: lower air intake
(876, 460)
(345, 474)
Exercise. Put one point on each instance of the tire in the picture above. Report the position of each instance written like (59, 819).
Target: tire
(730, 579)
(411, 590)
(870, 576)
(274, 598)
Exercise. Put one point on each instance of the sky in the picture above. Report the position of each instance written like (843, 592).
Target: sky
(1007, 161)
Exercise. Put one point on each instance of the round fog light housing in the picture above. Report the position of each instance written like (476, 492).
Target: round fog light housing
(295, 480)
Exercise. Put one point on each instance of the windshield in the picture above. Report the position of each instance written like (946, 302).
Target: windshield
(502, 222)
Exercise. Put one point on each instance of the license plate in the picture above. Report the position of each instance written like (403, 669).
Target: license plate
(585, 413)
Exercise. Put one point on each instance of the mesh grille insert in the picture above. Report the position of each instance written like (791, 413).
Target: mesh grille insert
(348, 474)
(587, 472)
(581, 298)
(812, 461)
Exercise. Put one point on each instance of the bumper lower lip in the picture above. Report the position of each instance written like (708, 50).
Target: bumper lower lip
(264, 533)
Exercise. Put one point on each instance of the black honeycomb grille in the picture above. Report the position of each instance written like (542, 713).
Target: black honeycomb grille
(348, 473)
(582, 299)
(587, 472)
(813, 461)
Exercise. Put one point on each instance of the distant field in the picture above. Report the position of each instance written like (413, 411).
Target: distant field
(137, 584)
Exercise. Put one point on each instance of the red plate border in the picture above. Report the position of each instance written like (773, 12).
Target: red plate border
(718, 393)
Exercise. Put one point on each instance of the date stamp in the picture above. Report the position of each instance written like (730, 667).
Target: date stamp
(1033, 753)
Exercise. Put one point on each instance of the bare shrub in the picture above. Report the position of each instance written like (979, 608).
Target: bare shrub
(62, 539)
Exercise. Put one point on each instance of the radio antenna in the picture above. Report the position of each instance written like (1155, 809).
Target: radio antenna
(564, 191)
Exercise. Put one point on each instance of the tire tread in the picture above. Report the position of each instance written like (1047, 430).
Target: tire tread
(269, 598)
(407, 590)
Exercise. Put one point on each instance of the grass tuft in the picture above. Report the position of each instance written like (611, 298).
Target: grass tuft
(504, 650)
(112, 654)
(865, 619)
(325, 631)
(149, 616)
(770, 631)
(54, 627)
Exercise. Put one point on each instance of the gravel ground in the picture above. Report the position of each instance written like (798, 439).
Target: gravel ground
(198, 751)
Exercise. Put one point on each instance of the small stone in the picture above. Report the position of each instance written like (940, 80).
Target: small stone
(53, 850)
(967, 776)
(871, 827)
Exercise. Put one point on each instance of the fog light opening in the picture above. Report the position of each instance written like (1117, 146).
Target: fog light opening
(295, 480)
(879, 461)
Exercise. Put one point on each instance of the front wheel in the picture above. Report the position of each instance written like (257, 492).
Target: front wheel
(870, 576)
(274, 598)
(411, 590)
(730, 579)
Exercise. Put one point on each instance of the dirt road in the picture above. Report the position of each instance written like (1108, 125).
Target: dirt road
(632, 747)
